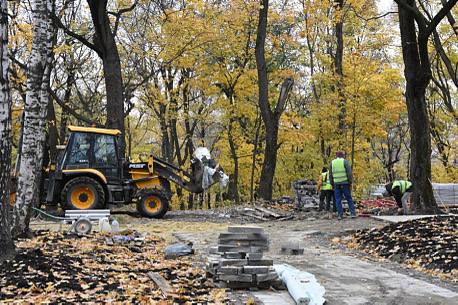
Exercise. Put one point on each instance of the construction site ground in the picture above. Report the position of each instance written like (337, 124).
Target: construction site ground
(349, 276)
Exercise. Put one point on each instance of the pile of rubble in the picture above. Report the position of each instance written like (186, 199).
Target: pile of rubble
(237, 261)
(427, 243)
(377, 207)
(58, 268)
(265, 214)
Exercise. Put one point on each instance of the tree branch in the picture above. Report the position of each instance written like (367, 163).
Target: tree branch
(78, 37)
(439, 16)
(70, 110)
(283, 96)
(370, 18)
(119, 13)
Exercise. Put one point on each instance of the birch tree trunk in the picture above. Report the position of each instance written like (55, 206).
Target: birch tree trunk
(6, 242)
(38, 71)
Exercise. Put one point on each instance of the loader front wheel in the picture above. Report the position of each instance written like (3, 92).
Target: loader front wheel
(82, 193)
(152, 205)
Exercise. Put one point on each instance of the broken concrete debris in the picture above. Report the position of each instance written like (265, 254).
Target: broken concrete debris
(302, 286)
(292, 249)
(265, 214)
(238, 261)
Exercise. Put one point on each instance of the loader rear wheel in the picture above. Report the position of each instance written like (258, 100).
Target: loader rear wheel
(152, 205)
(82, 193)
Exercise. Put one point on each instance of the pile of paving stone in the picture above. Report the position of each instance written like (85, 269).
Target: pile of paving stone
(430, 243)
(237, 261)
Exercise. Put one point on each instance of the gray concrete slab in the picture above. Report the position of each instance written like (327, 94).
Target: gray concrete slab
(401, 218)
(274, 297)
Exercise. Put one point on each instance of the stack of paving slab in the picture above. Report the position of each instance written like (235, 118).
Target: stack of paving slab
(446, 194)
(237, 261)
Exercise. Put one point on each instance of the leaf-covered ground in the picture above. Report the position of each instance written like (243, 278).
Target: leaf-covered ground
(61, 269)
(429, 244)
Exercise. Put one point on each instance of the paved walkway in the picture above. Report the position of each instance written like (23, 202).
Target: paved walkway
(401, 218)
(348, 280)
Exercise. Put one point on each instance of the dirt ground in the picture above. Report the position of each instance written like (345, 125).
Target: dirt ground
(349, 277)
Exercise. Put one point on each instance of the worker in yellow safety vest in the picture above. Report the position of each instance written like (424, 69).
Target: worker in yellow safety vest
(324, 188)
(341, 179)
(401, 191)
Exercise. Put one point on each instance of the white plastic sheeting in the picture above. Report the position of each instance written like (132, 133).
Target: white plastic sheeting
(302, 286)
(224, 180)
(202, 152)
(207, 178)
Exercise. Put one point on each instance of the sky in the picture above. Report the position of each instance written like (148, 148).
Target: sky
(384, 5)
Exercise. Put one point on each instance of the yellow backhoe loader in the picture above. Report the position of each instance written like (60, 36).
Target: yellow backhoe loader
(90, 174)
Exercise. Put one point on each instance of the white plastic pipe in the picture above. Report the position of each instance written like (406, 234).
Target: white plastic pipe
(302, 286)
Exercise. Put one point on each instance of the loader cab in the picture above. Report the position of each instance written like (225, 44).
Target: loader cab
(88, 173)
(92, 148)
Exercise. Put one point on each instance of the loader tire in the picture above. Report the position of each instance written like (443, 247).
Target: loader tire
(82, 193)
(152, 205)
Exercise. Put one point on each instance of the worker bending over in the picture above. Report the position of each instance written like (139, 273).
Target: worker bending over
(341, 179)
(401, 191)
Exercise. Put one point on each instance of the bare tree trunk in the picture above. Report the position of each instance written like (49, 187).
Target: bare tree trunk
(271, 118)
(338, 69)
(415, 33)
(233, 190)
(38, 71)
(190, 201)
(255, 154)
(67, 95)
(6, 242)
(108, 52)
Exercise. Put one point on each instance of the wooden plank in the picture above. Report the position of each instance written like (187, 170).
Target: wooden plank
(269, 212)
(160, 282)
(286, 217)
(254, 216)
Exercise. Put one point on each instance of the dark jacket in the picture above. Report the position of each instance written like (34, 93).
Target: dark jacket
(347, 170)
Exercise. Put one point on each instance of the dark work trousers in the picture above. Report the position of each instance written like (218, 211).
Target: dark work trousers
(328, 195)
